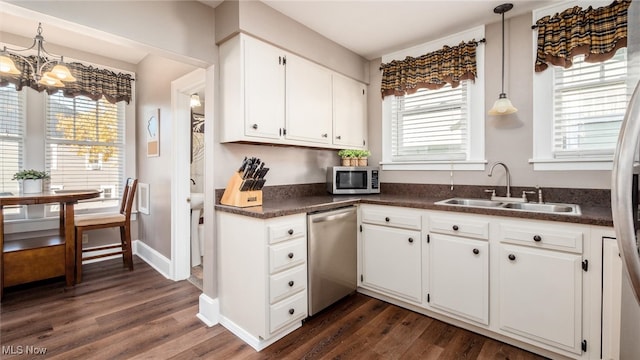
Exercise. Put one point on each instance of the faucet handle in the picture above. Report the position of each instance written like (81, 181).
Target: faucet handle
(492, 191)
(524, 195)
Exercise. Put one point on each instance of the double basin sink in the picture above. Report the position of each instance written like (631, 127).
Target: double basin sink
(547, 208)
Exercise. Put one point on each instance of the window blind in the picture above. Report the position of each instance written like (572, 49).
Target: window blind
(430, 125)
(590, 100)
(85, 145)
(11, 136)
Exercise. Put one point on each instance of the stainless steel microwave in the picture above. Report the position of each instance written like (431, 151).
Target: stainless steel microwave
(353, 180)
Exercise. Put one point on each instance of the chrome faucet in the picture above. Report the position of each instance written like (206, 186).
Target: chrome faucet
(508, 175)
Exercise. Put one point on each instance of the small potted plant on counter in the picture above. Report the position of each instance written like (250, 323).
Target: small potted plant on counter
(362, 156)
(349, 157)
(31, 180)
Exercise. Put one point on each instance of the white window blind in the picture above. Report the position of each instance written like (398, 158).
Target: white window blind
(85, 146)
(11, 136)
(430, 125)
(589, 103)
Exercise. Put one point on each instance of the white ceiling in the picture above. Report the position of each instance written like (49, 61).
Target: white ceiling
(369, 28)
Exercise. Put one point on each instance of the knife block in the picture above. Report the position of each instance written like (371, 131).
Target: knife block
(234, 197)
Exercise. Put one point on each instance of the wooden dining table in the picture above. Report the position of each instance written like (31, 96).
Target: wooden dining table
(41, 257)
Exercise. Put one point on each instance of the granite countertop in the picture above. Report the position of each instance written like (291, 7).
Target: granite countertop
(591, 215)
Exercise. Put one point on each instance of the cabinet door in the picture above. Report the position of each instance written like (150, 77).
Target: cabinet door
(541, 295)
(308, 103)
(391, 261)
(349, 112)
(459, 276)
(264, 89)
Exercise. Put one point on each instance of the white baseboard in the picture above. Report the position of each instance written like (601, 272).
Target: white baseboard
(152, 257)
(256, 343)
(209, 312)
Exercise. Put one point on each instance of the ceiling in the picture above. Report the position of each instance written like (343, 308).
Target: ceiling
(369, 28)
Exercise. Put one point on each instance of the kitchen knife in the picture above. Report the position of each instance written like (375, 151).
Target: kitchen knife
(243, 166)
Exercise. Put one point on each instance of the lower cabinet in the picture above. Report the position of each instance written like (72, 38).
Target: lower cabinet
(459, 277)
(540, 295)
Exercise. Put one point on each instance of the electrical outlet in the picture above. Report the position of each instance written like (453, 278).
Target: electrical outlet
(85, 238)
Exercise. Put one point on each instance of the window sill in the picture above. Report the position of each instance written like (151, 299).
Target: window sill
(478, 165)
(571, 164)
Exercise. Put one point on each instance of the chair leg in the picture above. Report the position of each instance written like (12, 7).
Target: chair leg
(78, 255)
(125, 238)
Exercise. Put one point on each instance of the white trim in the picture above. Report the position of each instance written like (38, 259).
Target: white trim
(144, 198)
(571, 164)
(256, 343)
(101, 252)
(209, 312)
(152, 257)
(444, 165)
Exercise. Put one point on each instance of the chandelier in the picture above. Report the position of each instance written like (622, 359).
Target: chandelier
(41, 68)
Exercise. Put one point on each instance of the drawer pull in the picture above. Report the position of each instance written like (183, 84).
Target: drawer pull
(512, 257)
(455, 227)
(476, 251)
(291, 311)
(290, 255)
(290, 232)
(411, 240)
(537, 238)
(387, 219)
(254, 126)
(291, 283)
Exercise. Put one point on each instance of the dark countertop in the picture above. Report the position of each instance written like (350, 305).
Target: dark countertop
(591, 215)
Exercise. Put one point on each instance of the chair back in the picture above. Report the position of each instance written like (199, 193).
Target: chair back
(127, 197)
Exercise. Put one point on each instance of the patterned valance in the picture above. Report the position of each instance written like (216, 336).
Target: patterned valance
(595, 33)
(91, 82)
(449, 65)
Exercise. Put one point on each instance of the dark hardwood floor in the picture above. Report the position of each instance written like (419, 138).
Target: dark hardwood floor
(117, 314)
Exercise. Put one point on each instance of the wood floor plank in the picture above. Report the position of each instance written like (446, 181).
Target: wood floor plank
(117, 314)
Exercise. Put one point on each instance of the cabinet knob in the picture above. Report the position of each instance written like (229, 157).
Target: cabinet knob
(325, 135)
(476, 251)
(537, 238)
(291, 283)
(291, 311)
(290, 255)
(254, 126)
(290, 232)
(338, 137)
(411, 240)
(455, 227)
(387, 219)
(512, 257)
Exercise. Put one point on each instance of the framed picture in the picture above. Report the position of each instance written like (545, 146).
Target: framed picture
(143, 198)
(197, 136)
(152, 123)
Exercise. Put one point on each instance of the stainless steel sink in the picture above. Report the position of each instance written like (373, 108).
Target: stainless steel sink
(548, 208)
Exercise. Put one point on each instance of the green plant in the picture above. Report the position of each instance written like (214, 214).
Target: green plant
(347, 153)
(362, 153)
(30, 174)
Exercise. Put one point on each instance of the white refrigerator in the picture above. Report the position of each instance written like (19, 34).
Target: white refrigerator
(624, 197)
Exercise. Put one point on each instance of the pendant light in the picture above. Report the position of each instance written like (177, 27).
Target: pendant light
(503, 105)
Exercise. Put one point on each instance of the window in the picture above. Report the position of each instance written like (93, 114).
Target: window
(85, 146)
(11, 142)
(577, 112)
(436, 129)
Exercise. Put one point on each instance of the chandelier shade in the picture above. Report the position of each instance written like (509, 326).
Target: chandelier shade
(503, 105)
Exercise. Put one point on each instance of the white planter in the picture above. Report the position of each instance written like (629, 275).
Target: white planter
(31, 186)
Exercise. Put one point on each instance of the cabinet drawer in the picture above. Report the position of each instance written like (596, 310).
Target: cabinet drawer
(292, 228)
(544, 236)
(287, 283)
(391, 216)
(460, 226)
(287, 254)
(287, 311)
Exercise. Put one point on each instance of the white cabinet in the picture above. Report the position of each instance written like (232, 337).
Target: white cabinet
(391, 256)
(270, 95)
(540, 289)
(263, 276)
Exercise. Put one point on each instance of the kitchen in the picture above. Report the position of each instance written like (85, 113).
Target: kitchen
(306, 166)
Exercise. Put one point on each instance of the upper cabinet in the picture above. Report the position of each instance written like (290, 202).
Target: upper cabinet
(272, 96)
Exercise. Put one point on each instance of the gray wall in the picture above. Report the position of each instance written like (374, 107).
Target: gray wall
(508, 139)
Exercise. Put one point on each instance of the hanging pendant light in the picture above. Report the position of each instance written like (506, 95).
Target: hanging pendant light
(503, 105)
(39, 64)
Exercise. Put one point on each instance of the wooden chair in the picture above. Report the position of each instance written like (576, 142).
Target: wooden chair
(106, 220)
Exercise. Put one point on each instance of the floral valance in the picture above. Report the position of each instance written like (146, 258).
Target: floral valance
(595, 33)
(449, 65)
(91, 82)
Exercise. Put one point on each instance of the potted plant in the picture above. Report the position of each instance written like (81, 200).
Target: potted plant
(349, 157)
(362, 156)
(31, 180)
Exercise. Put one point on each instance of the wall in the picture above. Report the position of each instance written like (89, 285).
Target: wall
(507, 139)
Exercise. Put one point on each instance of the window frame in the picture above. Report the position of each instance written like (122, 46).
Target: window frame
(475, 159)
(18, 212)
(543, 123)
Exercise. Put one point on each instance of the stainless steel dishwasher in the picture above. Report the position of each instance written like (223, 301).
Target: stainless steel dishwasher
(332, 258)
